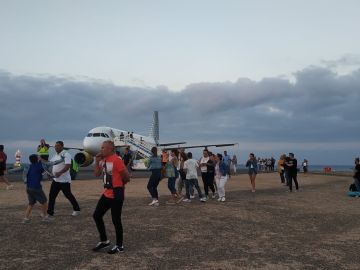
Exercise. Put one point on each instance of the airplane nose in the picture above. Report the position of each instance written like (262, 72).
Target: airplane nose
(91, 146)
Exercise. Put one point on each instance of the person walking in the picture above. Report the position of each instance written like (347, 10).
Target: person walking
(251, 164)
(305, 165)
(172, 174)
(115, 176)
(291, 164)
(221, 176)
(155, 166)
(3, 159)
(61, 180)
(190, 167)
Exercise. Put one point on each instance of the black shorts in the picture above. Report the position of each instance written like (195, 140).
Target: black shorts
(36, 195)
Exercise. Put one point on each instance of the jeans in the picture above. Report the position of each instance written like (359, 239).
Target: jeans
(189, 184)
(66, 190)
(171, 185)
(221, 185)
(208, 181)
(282, 177)
(293, 176)
(153, 183)
(102, 207)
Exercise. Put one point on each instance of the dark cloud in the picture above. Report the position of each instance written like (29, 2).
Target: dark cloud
(320, 106)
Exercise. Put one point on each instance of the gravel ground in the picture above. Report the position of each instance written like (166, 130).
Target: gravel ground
(316, 228)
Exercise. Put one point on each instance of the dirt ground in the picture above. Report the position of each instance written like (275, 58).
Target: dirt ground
(316, 228)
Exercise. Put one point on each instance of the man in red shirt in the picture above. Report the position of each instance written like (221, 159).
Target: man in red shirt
(115, 174)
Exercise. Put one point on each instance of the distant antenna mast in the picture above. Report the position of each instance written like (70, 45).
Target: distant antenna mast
(154, 132)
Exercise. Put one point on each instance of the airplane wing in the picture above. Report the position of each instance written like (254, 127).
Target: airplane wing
(70, 148)
(168, 144)
(202, 146)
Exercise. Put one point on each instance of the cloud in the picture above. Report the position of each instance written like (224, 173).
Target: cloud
(320, 106)
(345, 60)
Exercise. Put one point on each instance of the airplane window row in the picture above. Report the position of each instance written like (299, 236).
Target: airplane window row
(98, 135)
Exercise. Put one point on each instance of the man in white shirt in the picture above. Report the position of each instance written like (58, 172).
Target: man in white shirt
(190, 167)
(61, 180)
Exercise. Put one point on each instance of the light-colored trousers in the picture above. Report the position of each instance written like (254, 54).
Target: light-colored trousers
(221, 185)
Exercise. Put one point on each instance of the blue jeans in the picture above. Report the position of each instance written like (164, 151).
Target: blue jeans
(171, 185)
(153, 183)
(357, 183)
(189, 184)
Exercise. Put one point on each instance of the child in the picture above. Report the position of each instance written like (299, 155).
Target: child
(32, 176)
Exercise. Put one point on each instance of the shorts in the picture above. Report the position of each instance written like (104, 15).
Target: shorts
(36, 195)
(252, 172)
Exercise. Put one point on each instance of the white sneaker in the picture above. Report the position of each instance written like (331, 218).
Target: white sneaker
(203, 199)
(219, 200)
(214, 196)
(75, 213)
(186, 200)
(153, 202)
(223, 199)
(9, 187)
(192, 197)
(25, 220)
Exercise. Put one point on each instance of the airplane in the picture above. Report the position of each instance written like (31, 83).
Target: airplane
(140, 145)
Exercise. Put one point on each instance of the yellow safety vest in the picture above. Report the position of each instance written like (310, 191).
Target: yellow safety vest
(43, 150)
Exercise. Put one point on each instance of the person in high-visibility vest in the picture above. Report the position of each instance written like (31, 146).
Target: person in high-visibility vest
(43, 150)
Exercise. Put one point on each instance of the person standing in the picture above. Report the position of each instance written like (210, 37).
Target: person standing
(155, 166)
(357, 174)
(305, 165)
(221, 176)
(291, 165)
(208, 184)
(61, 180)
(3, 159)
(227, 161)
(182, 178)
(115, 176)
(234, 164)
(281, 168)
(43, 150)
(251, 164)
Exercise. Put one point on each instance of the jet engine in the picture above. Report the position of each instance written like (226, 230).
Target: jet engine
(83, 159)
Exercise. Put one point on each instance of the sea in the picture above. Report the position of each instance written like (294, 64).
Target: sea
(318, 168)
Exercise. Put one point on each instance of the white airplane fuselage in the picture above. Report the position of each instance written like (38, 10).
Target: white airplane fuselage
(96, 136)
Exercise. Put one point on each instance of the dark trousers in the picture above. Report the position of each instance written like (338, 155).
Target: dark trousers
(66, 190)
(293, 176)
(208, 182)
(153, 183)
(282, 177)
(189, 185)
(102, 207)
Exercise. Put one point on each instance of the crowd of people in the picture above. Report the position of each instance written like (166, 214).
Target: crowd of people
(179, 167)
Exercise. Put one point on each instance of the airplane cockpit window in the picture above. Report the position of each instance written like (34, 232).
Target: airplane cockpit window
(89, 135)
(105, 135)
(96, 135)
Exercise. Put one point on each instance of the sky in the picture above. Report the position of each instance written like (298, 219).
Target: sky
(274, 76)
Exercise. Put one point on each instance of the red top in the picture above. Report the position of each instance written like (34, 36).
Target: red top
(114, 166)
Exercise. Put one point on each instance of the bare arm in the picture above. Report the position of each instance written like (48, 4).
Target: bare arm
(66, 168)
(125, 176)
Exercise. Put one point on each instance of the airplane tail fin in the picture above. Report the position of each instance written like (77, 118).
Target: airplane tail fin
(154, 131)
